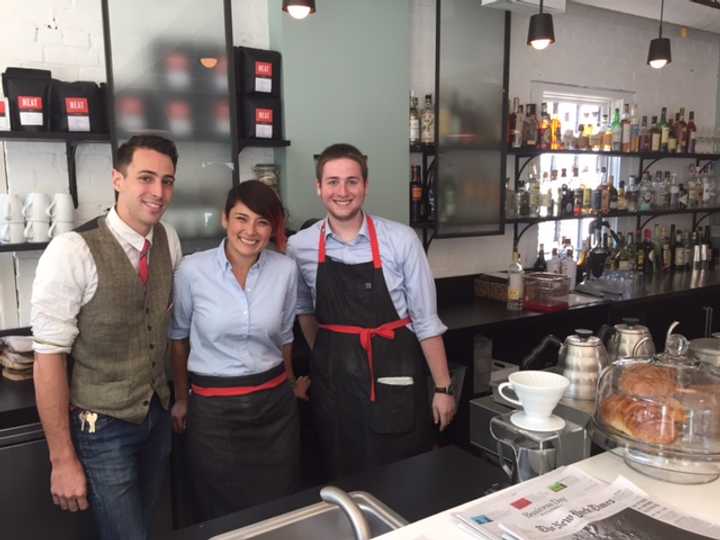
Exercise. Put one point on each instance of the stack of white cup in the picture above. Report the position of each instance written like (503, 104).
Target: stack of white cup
(12, 222)
(37, 221)
(62, 213)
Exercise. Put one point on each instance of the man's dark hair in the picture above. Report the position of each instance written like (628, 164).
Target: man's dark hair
(340, 151)
(152, 142)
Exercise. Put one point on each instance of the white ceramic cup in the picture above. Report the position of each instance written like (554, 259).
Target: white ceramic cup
(12, 232)
(61, 208)
(59, 227)
(538, 392)
(11, 208)
(36, 205)
(37, 231)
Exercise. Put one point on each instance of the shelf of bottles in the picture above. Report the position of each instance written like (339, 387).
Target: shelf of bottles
(534, 152)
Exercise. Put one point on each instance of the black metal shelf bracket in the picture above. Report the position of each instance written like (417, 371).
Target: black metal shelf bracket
(696, 221)
(643, 169)
(702, 169)
(517, 236)
(70, 152)
(642, 224)
(519, 168)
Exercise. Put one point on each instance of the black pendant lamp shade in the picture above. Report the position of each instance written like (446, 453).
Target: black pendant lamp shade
(541, 32)
(659, 53)
(299, 9)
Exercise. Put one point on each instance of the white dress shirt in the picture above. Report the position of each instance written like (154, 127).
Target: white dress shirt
(66, 279)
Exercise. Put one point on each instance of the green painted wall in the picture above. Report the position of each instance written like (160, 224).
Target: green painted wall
(345, 79)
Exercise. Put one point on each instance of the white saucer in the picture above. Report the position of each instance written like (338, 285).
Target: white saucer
(553, 423)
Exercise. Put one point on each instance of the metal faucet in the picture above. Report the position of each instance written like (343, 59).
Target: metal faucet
(337, 496)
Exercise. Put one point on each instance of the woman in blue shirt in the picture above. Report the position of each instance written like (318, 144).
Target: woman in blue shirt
(231, 334)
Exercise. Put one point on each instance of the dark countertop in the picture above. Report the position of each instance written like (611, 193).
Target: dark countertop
(482, 312)
(17, 403)
(415, 488)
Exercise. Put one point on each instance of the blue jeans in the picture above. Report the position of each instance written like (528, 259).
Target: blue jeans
(125, 467)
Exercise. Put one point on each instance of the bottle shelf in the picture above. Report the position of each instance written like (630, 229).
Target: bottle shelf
(640, 213)
(533, 152)
(22, 331)
(50, 136)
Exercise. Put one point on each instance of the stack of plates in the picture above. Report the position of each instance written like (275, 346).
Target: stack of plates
(16, 358)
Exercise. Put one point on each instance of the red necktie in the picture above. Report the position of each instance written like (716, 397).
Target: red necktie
(143, 268)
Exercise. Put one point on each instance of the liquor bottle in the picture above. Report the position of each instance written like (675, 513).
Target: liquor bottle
(512, 121)
(568, 139)
(655, 135)
(657, 249)
(646, 194)
(634, 130)
(671, 240)
(679, 251)
(518, 131)
(664, 130)
(625, 128)
(416, 195)
(534, 191)
(693, 199)
(681, 132)
(624, 257)
(674, 192)
(605, 194)
(672, 134)
(614, 196)
(582, 202)
(607, 135)
(658, 188)
(706, 249)
(545, 128)
(427, 121)
(621, 198)
(540, 264)
(697, 255)
(644, 136)
(516, 288)
(649, 249)
(640, 253)
(597, 135)
(531, 127)
(687, 256)
(616, 127)
(556, 142)
(414, 120)
(682, 197)
(691, 133)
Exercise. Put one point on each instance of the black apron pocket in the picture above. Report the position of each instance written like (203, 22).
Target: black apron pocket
(393, 411)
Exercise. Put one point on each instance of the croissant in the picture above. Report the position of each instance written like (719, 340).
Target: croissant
(652, 422)
(647, 380)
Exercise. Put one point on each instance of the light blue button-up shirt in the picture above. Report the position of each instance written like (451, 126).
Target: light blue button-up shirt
(405, 267)
(234, 332)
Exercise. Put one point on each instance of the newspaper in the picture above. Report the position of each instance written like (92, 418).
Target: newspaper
(569, 504)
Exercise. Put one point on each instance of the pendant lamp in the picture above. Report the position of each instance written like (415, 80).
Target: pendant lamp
(298, 9)
(659, 53)
(541, 32)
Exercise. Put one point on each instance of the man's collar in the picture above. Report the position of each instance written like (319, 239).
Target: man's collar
(125, 231)
(362, 232)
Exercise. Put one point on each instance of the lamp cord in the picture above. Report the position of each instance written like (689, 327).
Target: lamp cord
(541, 5)
(662, 6)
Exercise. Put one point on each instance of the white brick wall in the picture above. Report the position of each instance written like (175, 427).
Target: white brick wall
(594, 47)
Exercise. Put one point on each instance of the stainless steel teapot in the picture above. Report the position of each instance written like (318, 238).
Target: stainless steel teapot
(625, 337)
(582, 357)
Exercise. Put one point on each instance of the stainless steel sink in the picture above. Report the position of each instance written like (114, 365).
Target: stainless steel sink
(321, 521)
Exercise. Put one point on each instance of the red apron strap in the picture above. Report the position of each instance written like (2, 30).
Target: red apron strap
(374, 245)
(386, 331)
(377, 262)
(233, 391)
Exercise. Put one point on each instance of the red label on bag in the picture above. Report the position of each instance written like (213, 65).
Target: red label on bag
(30, 103)
(263, 69)
(76, 106)
(222, 110)
(178, 109)
(131, 105)
(177, 62)
(2, 108)
(263, 116)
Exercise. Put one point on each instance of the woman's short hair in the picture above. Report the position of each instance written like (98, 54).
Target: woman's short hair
(262, 200)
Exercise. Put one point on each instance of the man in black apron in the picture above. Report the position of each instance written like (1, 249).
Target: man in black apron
(369, 398)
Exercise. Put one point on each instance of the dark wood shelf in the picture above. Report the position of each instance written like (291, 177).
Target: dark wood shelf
(263, 143)
(22, 331)
(50, 136)
(533, 152)
(658, 212)
(25, 246)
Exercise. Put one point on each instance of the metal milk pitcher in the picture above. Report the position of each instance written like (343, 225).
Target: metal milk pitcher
(625, 337)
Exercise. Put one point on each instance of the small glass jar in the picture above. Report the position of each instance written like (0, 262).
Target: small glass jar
(268, 174)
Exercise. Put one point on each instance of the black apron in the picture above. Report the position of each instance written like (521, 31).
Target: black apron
(243, 449)
(361, 420)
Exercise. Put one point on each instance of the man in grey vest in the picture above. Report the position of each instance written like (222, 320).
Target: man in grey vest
(102, 296)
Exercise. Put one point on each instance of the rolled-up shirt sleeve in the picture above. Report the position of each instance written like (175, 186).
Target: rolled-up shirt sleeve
(290, 305)
(420, 291)
(59, 291)
(182, 303)
(305, 304)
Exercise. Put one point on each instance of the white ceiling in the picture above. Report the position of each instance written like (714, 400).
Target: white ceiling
(681, 12)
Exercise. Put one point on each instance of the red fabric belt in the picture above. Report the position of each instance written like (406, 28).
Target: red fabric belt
(386, 331)
(233, 391)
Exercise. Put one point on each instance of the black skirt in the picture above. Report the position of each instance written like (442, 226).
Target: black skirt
(242, 450)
